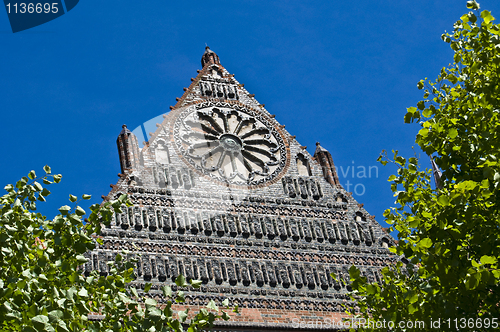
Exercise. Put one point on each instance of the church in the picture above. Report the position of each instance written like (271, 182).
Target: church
(222, 193)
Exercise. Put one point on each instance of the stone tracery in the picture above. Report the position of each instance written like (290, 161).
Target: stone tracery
(230, 144)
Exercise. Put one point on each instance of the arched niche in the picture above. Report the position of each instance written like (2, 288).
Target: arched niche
(161, 153)
(360, 217)
(341, 198)
(303, 166)
(385, 242)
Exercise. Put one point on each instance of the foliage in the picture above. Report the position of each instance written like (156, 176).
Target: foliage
(42, 287)
(450, 235)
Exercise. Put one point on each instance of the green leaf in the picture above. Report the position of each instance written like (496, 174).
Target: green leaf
(134, 291)
(212, 305)
(86, 197)
(371, 289)
(17, 203)
(37, 186)
(354, 272)
(79, 211)
(72, 198)
(83, 293)
(40, 321)
(46, 169)
(225, 316)
(175, 325)
(443, 200)
(488, 259)
(21, 183)
(155, 313)
(71, 293)
(423, 132)
(196, 283)
(413, 297)
(473, 281)
(485, 184)
(486, 15)
(180, 297)
(55, 315)
(57, 178)
(425, 243)
(147, 287)
(472, 4)
(467, 185)
(183, 315)
(167, 291)
(181, 281)
(411, 110)
(61, 325)
(413, 222)
(81, 259)
(150, 302)
(7, 307)
(225, 303)
(32, 175)
(64, 210)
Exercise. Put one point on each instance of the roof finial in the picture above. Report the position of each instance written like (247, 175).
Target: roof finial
(209, 57)
(319, 148)
(125, 130)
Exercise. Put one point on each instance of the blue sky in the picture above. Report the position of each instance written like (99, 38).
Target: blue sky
(341, 73)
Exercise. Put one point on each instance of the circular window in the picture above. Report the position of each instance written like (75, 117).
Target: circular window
(230, 143)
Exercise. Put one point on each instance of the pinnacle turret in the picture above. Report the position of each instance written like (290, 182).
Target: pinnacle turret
(128, 149)
(209, 57)
(324, 158)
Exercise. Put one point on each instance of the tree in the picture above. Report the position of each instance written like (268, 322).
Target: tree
(449, 235)
(42, 287)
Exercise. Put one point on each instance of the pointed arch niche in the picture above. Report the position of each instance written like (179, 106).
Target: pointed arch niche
(161, 152)
(303, 165)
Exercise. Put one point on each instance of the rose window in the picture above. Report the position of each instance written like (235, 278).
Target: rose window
(235, 146)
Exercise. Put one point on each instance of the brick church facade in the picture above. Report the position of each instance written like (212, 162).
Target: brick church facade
(222, 193)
